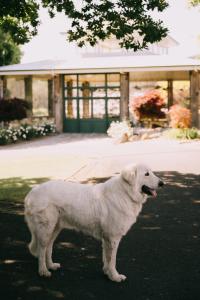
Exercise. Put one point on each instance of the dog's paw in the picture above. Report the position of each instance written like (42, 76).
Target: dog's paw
(54, 266)
(117, 277)
(120, 277)
(44, 272)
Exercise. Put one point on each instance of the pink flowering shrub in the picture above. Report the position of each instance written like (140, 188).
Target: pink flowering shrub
(180, 117)
(148, 105)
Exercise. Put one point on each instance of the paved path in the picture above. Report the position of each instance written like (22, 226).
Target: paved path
(81, 156)
(159, 255)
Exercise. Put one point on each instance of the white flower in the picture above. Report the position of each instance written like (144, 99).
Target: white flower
(118, 129)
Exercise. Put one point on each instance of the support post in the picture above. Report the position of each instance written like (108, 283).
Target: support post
(5, 93)
(86, 101)
(70, 113)
(58, 102)
(1, 87)
(170, 93)
(195, 97)
(50, 97)
(124, 99)
(28, 83)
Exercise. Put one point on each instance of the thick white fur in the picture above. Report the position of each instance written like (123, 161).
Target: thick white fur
(105, 211)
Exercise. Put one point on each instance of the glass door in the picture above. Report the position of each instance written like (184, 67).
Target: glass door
(92, 101)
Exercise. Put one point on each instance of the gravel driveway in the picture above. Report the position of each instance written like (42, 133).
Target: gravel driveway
(82, 156)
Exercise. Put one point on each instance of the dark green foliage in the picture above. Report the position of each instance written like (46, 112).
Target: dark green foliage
(9, 52)
(183, 133)
(13, 109)
(127, 20)
(194, 2)
(19, 18)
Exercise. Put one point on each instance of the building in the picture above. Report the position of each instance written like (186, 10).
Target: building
(86, 94)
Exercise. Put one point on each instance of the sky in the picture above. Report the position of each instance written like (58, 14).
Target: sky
(183, 24)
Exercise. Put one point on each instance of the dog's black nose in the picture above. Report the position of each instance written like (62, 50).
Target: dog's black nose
(161, 183)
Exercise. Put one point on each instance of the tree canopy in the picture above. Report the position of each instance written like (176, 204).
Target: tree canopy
(20, 19)
(129, 21)
(194, 2)
(9, 52)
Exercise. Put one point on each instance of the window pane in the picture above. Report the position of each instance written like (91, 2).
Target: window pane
(70, 80)
(99, 108)
(89, 92)
(16, 87)
(98, 92)
(85, 90)
(71, 109)
(70, 92)
(114, 92)
(181, 92)
(70, 86)
(40, 97)
(113, 79)
(92, 79)
(113, 108)
(85, 108)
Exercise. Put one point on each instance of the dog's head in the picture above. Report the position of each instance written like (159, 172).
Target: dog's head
(142, 179)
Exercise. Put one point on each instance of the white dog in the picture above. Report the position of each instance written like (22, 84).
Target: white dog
(105, 210)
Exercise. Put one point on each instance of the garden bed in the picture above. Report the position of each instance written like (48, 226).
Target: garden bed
(15, 132)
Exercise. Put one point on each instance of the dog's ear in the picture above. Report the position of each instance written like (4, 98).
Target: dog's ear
(129, 173)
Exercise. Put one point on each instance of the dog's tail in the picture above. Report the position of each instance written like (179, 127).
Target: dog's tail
(33, 245)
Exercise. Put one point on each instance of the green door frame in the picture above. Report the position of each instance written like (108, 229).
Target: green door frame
(89, 125)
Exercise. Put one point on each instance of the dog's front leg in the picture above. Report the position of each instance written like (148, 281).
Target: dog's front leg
(110, 247)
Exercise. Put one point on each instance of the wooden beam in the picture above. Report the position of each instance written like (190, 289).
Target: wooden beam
(4, 87)
(170, 95)
(28, 84)
(58, 102)
(124, 99)
(50, 97)
(70, 112)
(195, 97)
(86, 101)
(1, 87)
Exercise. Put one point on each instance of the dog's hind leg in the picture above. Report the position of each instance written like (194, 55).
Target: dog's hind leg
(45, 225)
(33, 245)
(110, 247)
(50, 264)
(43, 240)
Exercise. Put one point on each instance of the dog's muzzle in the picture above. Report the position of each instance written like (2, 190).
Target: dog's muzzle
(148, 191)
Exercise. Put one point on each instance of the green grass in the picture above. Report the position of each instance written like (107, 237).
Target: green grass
(15, 189)
(182, 133)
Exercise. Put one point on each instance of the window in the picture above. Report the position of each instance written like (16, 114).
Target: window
(92, 96)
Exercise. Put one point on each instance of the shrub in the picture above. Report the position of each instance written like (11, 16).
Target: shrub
(4, 137)
(180, 117)
(25, 132)
(182, 133)
(13, 109)
(120, 131)
(148, 105)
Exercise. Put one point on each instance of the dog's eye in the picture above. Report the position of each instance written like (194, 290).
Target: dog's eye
(147, 174)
